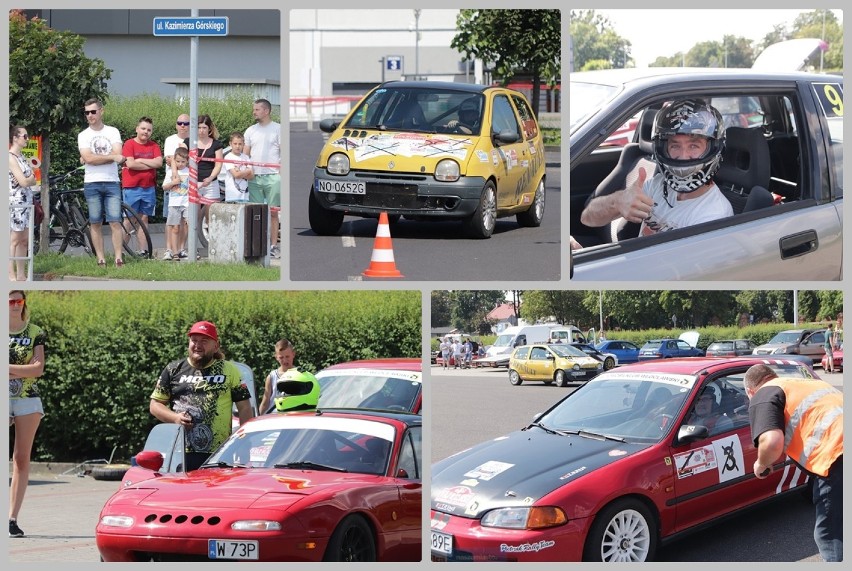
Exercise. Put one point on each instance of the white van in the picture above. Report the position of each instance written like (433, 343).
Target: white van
(516, 336)
(567, 334)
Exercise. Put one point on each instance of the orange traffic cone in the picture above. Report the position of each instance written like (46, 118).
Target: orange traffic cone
(382, 264)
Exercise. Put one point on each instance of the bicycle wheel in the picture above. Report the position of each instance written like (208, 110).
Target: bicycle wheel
(78, 234)
(135, 230)
(57, 226)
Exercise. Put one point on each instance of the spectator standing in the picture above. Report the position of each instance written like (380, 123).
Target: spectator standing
(263, 145)
(100, 152)
(802, 418)
(468, 353)
(139, 176)
(828, 346)
(176, 184)
(26, 365)
(198, 393)
(237, 175)
(171, 143)
(285, 354)
(211, 149)
(21, 178)
(838, 332)
(458, 352)
(446, 352)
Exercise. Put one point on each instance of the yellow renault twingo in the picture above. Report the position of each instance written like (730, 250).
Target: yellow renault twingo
(429, 150)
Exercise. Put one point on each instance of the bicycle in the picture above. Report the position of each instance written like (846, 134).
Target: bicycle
(69, 222)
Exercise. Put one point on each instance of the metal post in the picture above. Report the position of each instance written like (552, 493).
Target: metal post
(382, 63)
(192, 218)
(417, 44)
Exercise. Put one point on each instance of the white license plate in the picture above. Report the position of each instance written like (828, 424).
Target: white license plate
(226, 549)
(578, 373)
(341, 186)
(442, 543)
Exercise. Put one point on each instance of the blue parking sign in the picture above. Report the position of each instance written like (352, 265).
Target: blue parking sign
(393, 63)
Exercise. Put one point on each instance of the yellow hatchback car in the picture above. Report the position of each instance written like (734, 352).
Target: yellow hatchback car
(552, 363)
(430, 150)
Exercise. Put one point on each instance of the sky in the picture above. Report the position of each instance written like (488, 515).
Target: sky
(657, 32)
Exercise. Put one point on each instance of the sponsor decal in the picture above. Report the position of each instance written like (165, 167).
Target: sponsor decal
(439, 521)
(619, 453)
(526, 199)
(259, 453)
(488, 470)
(293, 483)
(494, 158)
(573, 473)
(695, 461)
(472, 508)
(668, 461)
(731, 464)
(513, 158)
(445, 507)
(527, 547)
(528, 500)
(532, 148)
(470, 482)
(457, 495)
(404, 145)
(525, 164)
(667, 378)
(483, 156)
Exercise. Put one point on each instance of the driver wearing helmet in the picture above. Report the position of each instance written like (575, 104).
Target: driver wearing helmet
(688, 138)
(297, 390)
(468, 121)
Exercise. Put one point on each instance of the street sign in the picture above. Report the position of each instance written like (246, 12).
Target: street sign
(212, 26)
(393, 63)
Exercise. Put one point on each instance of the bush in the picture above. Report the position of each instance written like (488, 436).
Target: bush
(106, 349)
(758, 334)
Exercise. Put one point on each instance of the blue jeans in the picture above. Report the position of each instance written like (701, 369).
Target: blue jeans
(828, 499)
(100, 197)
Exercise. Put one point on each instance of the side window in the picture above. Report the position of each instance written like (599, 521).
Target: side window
(522, 353)
(410, 454)
(683, 345)
(538, 354)
(527, 118)
(830, 97)
(503, 117)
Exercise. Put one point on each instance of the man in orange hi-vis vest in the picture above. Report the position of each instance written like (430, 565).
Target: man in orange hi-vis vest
(802, 418)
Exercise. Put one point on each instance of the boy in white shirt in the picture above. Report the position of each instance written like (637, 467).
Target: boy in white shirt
(177, 183)
(237, 175)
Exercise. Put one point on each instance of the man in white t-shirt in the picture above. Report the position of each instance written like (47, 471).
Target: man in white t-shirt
(688, 137)
(100, 151)
(263, 145)
(173, 142)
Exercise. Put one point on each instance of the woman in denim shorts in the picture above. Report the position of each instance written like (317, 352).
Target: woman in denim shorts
(26, 365)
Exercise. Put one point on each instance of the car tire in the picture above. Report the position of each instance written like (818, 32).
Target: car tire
(609, 363)
(533, 216)
(114, 472)
(323, 222)
(625, 530)
(352, 540)
(481, 223)
(559, 378)
(514, 377)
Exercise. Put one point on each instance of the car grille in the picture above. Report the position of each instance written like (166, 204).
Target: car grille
(174, 557)
(384, 195)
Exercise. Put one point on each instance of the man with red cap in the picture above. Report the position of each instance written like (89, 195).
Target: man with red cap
(198, 393)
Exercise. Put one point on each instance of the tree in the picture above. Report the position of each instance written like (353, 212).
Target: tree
(566, 306)
(470, 307)
(50, 78)
(822, 24)
(516, 41)
(595, 43)
(441, 316)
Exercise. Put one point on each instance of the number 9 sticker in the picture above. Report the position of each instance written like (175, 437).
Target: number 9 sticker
(830, 96)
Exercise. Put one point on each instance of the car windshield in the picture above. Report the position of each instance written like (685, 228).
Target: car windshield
(652, 344)
(567, 351)
(425, 109)
(639, 407)
(307, 448)
(503, 340)
(586, 100)
(385, 390)
(786, 337)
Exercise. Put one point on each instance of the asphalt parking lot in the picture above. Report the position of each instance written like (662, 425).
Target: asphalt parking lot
(59, 517)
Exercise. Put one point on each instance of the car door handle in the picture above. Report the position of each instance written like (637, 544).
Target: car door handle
(798, 244)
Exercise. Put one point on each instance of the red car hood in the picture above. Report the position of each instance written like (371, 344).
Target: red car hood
(237, 488)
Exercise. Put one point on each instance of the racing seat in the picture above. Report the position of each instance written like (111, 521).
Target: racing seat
(408, 115)
(743, 176)
(633, 156)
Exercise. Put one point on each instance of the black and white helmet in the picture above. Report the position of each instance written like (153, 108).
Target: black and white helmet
(688, 117)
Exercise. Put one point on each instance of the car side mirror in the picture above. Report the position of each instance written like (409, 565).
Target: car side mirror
(506, 137)
(691, 432)
(551, 358)
(328, 125)
(150, 459)
(401, 473)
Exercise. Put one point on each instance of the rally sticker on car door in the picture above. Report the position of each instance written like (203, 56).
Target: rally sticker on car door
(724, 455)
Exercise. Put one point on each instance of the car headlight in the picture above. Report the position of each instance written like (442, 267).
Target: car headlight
(779, 351)
(600, 365)
(117, 521)
(529, 517)
(576, 367)
(338, 163)
(447, 171)
(256, 525)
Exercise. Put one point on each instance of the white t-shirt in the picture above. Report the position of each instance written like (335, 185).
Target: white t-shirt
(179, 195)
(236, 189)
(100, 143)
(173, 141)
(711, 205)
(265, 144)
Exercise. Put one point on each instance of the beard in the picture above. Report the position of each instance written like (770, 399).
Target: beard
(202, 362)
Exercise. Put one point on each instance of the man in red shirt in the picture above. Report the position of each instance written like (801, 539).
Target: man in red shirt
(139, 175)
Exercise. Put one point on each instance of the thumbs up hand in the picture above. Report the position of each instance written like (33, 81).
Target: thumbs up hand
(634, 205)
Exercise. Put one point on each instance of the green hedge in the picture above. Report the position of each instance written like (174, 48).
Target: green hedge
(107, 348)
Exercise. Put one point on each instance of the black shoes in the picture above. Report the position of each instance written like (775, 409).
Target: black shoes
(14, 530)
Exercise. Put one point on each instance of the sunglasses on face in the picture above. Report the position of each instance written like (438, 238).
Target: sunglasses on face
(16, 302)
(183, 123)
(24, 135)
(89, 111)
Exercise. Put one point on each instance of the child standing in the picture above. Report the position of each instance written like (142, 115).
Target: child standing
(285, 354)
(237, 175)
(177, 183)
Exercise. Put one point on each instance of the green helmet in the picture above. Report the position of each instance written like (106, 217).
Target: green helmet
(296, 391)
